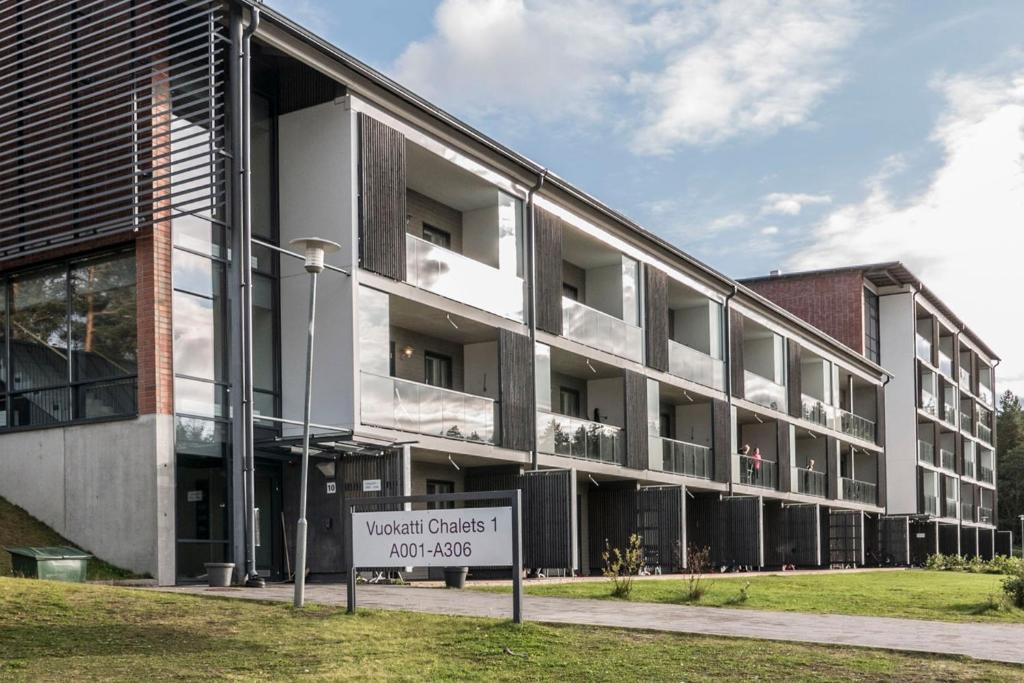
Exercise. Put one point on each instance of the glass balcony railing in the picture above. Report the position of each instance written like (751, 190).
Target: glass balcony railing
(931, 505)
(758, 472)
(857, 426)
(949, 414)
(860, 491)
(985, 394)
(947, 460)
(763, 391)
(985, 433)
(949, 507)
(691, 459)
(599, 330)
(965, 379)
(929, 403)
(945, 365)
(924, 349)
(985, 515)
(695, 366)
(970, 469)
(817, 411)
(578, 438)
(926, 452)
(811, 482)
(986, 474)
(423, 409)
(966, 512)
(454, 276)
(966, 422)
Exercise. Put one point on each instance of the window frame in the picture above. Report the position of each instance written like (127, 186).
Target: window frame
(575, 394)
(446, 360)
(872, 327)
(436, 232)
(442, 505)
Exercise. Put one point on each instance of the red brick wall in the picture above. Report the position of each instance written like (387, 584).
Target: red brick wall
(834, 303)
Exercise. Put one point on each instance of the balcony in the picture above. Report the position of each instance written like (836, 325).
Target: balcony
(407, 406)
(695, 366)
(460, 278)
(931, 505)
(925, 452)
(949, 508)
(929, 403)
(949, 414)
(924, 349)
(947, 460)
(598, 330)
(681, 457)
(758, 472)
(970, 470)
(985, 515)
(811, 482)
(945, 365)
(965, 379)
(986, 474)
(763, 391)
(985, 433)
(816, 411)
(578, 438)
(985, 394)
(965, 422)
(966, 512)
(859, 491)
(857, 426)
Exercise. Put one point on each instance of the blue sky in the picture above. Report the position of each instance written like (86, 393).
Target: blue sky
(755, 134)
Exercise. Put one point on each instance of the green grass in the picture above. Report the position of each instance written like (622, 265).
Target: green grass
(18, 528)
(913, 594)
(60, 632)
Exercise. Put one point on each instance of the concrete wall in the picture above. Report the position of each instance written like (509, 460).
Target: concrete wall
(106, 487)
(480, 233)
(897, 324)
(763, 436)
(481, 369)
(693, 423)
(607, 396)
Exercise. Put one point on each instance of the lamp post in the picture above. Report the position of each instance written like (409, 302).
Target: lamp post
(314, 249)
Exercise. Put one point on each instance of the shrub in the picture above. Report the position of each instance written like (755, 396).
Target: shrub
(1000, 564)
(936, 562)
(699, 562)
(621, 567)
(1013, 586)
(740, 597)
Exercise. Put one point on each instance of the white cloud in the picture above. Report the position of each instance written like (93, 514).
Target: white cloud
(309, 13)
(790, 204)
(963, 234)
(770, 230)
(688, 73)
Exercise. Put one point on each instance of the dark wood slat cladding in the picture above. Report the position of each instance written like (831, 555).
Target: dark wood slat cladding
(636, 420)
(880, 415)
(729, 527)
(656, 332)
(515, 402)
(794, 377)
(949, 539)
(893, 539)
(1003, 543)
(382, 193)
(611, 518)
(548, 287)
(736, 353)
(791, 535)
(968, 539)
(662, 526)
(845, 537)
(783, 439)
(721, 439)
(832, 466)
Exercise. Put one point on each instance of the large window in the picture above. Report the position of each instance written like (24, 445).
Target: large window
(69, 332)
(872, 333)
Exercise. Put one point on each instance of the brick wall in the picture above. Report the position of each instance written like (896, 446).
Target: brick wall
(834, 303)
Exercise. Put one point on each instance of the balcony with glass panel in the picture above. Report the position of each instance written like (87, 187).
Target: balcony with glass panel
(578, 438)
(757, 444)
(924, 348)
(985, 515)
(858, 491)
(601, 331)
(970, 460)
(679, 431)
(763, 391)
(929, 403)
(946, 354)
(931, 504)
(985, 394)
(811, 482)
(764, 372)
(964, 378)
(758, 472)
(818, 395)
(984, 432)
(986, 473)
(814, 410)
(947, 460)
(858, 406)
(810, 453)
(680, 457)
(950, 508)
(856, 426)
(967, 512)
(463, 236)
(696, 332)
(925, 452)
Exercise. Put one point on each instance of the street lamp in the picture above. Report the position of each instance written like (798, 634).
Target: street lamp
(314, 249)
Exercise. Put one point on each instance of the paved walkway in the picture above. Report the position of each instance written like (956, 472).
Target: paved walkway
(997, 642)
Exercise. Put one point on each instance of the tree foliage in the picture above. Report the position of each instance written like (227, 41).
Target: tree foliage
(1010, 460)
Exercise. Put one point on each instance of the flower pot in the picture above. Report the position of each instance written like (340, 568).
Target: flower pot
(218, 574)
(455, 577)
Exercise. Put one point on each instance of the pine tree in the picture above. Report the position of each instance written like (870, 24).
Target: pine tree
(1010, 460)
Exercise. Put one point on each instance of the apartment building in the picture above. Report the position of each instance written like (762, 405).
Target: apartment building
(485, 325)
(940, 404)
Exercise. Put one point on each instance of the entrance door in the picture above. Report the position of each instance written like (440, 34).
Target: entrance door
(270, 543)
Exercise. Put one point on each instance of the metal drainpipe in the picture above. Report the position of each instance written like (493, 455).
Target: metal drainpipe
(252, 577)
(532, 300)
(728, 370)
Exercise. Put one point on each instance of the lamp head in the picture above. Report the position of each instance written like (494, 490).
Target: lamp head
(314, 249)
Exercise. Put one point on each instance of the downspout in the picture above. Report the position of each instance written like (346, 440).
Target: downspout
(252, 576)
(886, 378)
(728, 372)
(532, 301)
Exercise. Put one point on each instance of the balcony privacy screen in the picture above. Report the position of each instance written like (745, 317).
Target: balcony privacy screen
(548, 255)
(382, 192)
(91, 93)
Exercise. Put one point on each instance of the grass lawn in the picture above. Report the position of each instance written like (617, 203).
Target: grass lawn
(51, 631)
(914, 594)
(18, 528)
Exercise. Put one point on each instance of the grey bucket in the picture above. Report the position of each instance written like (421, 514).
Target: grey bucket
(218, 574)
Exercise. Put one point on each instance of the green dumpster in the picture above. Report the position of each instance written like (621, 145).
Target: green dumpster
(57, 563)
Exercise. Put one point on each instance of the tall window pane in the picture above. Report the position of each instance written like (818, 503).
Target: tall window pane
(198, 337)
(3, 349)
(39, 330)
(103, 321)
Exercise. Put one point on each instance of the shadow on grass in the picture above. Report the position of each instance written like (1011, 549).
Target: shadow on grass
(104, 640)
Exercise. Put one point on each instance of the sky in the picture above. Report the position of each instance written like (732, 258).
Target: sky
(754, 134)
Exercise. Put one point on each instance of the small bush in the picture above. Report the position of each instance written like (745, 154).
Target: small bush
(1000, 564)
(740, 597)
(699, 563)
(621, 567)
(1013, 586)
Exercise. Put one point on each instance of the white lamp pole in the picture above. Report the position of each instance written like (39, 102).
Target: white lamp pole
(314, 249)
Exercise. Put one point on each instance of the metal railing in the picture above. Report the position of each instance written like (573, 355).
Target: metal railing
(817, 411)
(855, 425)
(947, 459)
(408, 406)
(758, 472)
(599, 330)
(986, 474)
(695, 365)
(929, 403)
(579, 438)
(811, 482)
(763, 391)
(691, 459)
(931, 505)
(924, 349)
(454, 276)
(945, 365)
(984, 432)
(985, 515)
(967, 512)
(925, 452)
(860, 491)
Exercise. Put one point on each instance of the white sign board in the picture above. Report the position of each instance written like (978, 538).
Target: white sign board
(332, 487)
(469, 537)
(371, 485)
(194, 496)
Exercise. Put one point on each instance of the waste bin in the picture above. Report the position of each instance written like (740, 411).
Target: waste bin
(57, 563)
